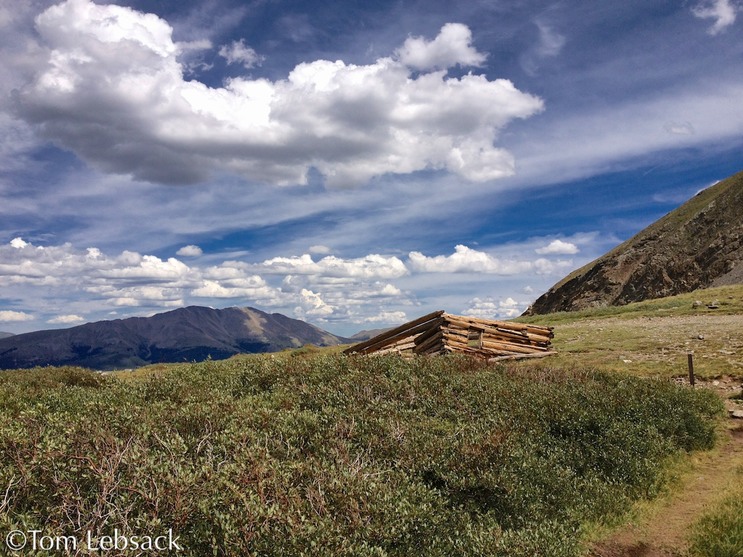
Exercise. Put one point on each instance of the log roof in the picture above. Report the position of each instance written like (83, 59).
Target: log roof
(440, 333)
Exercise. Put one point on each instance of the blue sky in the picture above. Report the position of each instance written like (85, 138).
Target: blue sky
(352, 164)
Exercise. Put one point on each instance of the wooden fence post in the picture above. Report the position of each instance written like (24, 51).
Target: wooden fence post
(690, 359)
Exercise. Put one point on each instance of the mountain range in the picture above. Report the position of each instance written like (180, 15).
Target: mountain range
(187, 334)
(698, 245)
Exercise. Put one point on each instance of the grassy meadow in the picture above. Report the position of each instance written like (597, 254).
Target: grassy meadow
(314, 453)
(653, 338)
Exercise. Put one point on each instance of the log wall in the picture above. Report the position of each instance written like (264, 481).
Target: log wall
(440, 333)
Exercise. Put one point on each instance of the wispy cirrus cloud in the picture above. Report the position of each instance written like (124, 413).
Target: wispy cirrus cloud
(550, 43)
(586, 143)
(723, 12)
(237, 52)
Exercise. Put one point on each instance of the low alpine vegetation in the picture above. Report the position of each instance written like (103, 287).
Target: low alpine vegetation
(334, 455)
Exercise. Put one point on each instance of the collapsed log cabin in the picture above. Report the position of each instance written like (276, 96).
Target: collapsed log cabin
(441, 333)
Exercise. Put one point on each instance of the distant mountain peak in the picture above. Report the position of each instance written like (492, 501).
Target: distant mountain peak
(190, 333)
(698, 245)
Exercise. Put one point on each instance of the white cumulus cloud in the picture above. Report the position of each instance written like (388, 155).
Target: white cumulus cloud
(251, 288)
(320, 249)
(127, 279)
(388, 317)
(490, 308)
(112, 90)
(66, 320)
(313, 306)
(370, 266)
(468, 260)
(7, 316)
(190, 251)
(558, 247)
(89, 281)
(465, 260)
(452, 46)
(330, 290)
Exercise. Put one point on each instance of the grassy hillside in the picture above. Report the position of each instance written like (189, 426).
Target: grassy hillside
(655, 336)
(332, 455)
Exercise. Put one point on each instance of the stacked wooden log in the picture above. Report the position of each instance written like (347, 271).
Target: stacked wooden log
(440, 332)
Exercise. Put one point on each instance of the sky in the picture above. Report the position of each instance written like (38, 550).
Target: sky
(352, 164)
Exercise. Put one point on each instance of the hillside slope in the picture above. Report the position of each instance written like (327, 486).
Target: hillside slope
(186, 334)
(698, 245)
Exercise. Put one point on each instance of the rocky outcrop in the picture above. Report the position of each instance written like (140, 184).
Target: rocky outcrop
(698, 245)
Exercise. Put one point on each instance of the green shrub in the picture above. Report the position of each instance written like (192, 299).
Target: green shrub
(334, 455)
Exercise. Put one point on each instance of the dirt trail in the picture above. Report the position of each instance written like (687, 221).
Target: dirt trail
(664, 532)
